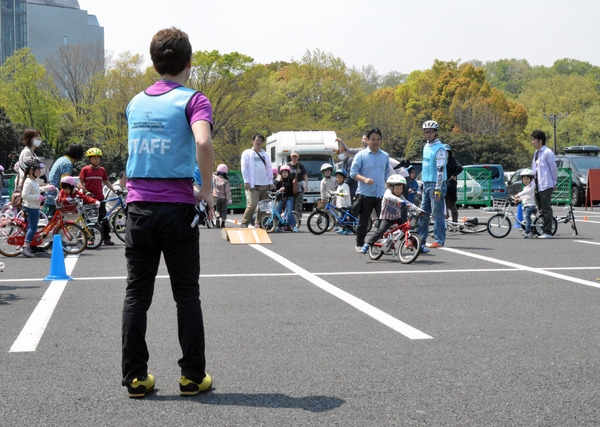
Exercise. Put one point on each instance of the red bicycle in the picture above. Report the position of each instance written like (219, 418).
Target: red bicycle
(13, 230)
(401, 240)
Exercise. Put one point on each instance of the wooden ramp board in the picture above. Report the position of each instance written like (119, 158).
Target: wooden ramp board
(245, 236)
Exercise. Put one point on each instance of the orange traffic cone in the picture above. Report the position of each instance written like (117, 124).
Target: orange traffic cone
(585, 218)
(236, 220)
(464, 219)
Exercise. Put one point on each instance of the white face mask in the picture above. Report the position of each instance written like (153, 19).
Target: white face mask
(342, 156)
(37, 142)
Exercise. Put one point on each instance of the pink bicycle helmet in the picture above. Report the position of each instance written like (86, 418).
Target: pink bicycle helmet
(71, 180)
(275, 171)
(285, 168)
(222, 168)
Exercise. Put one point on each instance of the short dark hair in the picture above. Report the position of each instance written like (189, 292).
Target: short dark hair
(28, 136)
(170, 51)
(121, 174)
(258, 135)
(539, 134)
(372, 131)
(75, 151)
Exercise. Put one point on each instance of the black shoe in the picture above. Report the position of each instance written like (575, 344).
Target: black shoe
(109, 243)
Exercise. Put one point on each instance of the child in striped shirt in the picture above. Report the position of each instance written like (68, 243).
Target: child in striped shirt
(392, 205)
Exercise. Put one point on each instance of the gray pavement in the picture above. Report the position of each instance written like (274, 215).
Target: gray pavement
(513, 336)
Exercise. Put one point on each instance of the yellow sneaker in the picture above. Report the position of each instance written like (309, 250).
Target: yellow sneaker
(190, 388)
(139, 388)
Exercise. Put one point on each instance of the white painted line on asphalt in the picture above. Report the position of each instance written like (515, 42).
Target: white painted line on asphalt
(589, 243)
(397, 325)
(525, 268)
(33, 330)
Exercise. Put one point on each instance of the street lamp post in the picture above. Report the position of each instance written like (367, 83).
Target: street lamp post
(554, 120)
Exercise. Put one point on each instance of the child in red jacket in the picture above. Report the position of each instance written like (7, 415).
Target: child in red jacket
(68, 195)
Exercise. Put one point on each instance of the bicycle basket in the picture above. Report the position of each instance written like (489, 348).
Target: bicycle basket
(414, 221)
(266, 205)
(499, 204)
(90, 213)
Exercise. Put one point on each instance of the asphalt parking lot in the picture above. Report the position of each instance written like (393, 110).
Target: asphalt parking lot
(306, 331)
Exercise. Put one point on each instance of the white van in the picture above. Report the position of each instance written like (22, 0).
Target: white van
(314, 147)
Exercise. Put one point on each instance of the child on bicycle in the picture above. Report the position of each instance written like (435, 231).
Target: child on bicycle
(69, 193)
(342, 196)
(221, 194)
(286, 186)
(92, 177)
(392, 207)
(328, 183)
(527, 198)
(32, 199)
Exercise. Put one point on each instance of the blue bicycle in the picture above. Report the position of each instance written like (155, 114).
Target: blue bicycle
(270, 216)
(117, 216)
(319, 221)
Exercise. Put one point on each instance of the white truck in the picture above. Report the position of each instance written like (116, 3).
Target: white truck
(314, 147)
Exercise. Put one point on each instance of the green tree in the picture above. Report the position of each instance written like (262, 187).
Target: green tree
(25, 93)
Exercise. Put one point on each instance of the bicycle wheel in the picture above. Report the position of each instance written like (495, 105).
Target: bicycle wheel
(94, 236)
(499, 226)
(8, 210)
(332, 221)
(8, 229)
(269, 223)
(376, 251)
(538, 225)
(409, 249)
(74, 240)
(470, 228)
(119, 223)
(318, 222)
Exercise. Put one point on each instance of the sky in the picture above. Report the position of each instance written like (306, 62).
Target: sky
(390, 35)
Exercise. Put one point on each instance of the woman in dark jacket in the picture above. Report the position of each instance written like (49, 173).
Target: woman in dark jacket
(453, 168)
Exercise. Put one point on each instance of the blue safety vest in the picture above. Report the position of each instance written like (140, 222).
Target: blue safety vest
(429, 162)
(161, 143)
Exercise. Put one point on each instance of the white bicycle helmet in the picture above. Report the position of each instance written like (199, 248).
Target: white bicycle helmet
(430, 124)
(396, 179)
(527, 172)
(326, 166)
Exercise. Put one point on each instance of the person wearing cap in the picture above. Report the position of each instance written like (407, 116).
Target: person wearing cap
(257, 173)
(434, 186)
(346, 156)
(453, 168)
(298, 173)
(371, 168)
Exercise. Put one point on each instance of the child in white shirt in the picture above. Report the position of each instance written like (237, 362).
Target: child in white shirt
(527, 198)
(328, 183)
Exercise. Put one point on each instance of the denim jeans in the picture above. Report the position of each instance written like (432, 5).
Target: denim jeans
(437, 210)
(33, 217)
(152, 229)
(289, 207)
(527, 212)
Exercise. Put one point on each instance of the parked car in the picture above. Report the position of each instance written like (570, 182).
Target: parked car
(515, 185)
(508, 176)
(497, 184)
(578, 159)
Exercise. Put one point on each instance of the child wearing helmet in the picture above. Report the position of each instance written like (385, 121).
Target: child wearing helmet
(69, 193)
(32, 199)
(93, 177)
(342, 193)
(222, 194)
(413, 184)
(393, 206)
(286, 186)
(527, 198)
(327, 183)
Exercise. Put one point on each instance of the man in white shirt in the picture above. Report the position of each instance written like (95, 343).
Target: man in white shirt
(258, 176)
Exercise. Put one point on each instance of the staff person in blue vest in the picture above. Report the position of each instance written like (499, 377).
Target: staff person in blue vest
(169, 132)
(434, 187)
(370, 168)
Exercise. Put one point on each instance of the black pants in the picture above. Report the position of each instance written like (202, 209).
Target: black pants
(152, 229)
(365, 207)
(384, 225)
(543, 200)
(105, 226)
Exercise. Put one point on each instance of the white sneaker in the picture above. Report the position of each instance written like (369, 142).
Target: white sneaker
(358, 249)
(545, 236)
(27, 252)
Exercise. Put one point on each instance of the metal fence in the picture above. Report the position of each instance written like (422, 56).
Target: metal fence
(238, 195)
(562, 193)
(474, 187)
